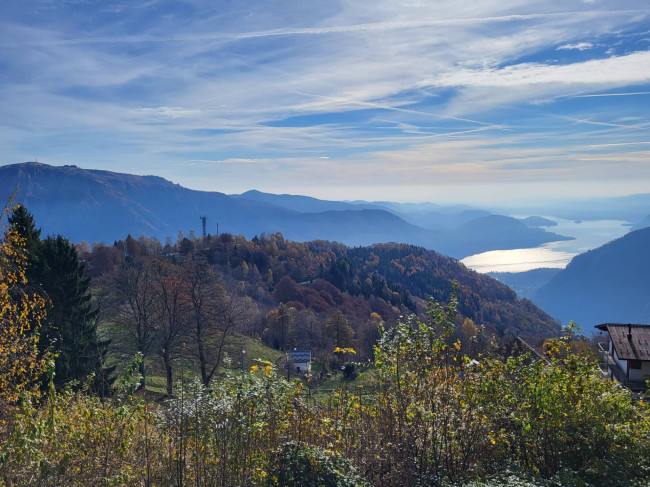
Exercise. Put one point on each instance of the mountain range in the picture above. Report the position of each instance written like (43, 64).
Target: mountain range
(103, 206)
(607, 284)
(526, 283)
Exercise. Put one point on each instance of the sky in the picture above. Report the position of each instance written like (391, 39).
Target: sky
(481, 102)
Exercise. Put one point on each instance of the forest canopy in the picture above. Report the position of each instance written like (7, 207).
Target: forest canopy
(436, 403)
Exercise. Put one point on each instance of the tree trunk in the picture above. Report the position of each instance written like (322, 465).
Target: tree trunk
(167, 361)
(202, 362)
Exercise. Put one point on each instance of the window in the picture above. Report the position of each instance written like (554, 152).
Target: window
(635, 364)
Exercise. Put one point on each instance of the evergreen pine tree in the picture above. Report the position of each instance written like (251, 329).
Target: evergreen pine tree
(22, 221)
(71, 327)
(338, 327)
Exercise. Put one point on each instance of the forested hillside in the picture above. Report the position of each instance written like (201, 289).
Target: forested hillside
(526, 283)
(607, 284)
(318, 278)
(194, 295)
(171, 312)
(97, 206)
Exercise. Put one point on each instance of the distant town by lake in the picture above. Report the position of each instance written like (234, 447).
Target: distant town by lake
(587, 235)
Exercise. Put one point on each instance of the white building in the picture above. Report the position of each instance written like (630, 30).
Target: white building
(301, 360)
(628, 353)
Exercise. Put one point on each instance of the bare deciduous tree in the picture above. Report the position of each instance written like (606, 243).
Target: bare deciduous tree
(172, 308)
(137, 311)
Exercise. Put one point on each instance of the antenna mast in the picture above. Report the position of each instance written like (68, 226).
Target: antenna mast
(203, 221)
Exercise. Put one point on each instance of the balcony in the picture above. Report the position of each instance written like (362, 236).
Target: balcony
(610, 370)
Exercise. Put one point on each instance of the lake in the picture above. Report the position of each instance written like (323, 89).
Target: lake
(588, 234)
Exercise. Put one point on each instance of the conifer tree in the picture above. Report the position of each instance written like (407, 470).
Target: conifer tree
(22, 222)
(338, 327)
(70, 328)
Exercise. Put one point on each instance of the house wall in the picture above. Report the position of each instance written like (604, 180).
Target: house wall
(620, 362)
(303, 366)
(641, 374)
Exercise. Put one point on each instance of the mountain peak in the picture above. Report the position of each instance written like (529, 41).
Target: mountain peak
(98, 205)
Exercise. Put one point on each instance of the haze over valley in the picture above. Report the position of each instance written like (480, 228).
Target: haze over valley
(526, 253)
(306, 243)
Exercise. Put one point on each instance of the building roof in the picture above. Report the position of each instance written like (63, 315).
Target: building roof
(300, 356)
(632, 342)
(516, 347)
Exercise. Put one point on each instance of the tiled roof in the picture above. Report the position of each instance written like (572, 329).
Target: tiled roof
(300, 356)
(632, 342)
(516, 347)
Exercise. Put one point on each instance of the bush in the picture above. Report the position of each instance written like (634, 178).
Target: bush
(350, 371)
(297, 464)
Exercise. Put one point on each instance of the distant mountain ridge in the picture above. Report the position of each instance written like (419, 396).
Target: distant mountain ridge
(304, 204)
(607, 284)
(97, 205)
(645, 223)
(538, 221)
(526, 283)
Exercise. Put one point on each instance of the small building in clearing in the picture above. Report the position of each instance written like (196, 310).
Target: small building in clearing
(628, 353)
(301, 360)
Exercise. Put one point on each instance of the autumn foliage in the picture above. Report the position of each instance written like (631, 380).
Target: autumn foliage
(431, 415)
(21, 314)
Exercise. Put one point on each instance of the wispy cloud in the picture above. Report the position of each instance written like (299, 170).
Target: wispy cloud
(622, 70)
(599, 95)
(580, 46)
(328, 94)
(167, 112)
(369, 27)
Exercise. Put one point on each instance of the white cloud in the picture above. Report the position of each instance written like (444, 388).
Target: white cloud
(239, 160)
(600, 95)
(369, 27)
(580, 46)
(614, 71)
(167, 112)
(290, 84)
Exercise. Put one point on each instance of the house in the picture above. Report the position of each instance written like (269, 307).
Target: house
(301, 360)
(514, 347)
(627, 355)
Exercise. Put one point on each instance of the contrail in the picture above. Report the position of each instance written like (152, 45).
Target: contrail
(373, 26)
(369, 104)
(609, 94)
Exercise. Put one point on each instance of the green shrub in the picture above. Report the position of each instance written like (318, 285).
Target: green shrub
(297, 464)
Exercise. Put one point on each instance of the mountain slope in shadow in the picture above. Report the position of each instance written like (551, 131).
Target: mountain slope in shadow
(607, 284)
(97, 206)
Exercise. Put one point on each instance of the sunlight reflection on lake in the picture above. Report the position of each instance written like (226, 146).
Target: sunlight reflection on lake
(587, 235)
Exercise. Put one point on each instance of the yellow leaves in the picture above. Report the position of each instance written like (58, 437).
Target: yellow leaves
(344, 350)
(267, 369)
(20, 312)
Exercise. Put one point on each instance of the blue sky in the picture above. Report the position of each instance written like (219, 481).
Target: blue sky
(485, 102)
